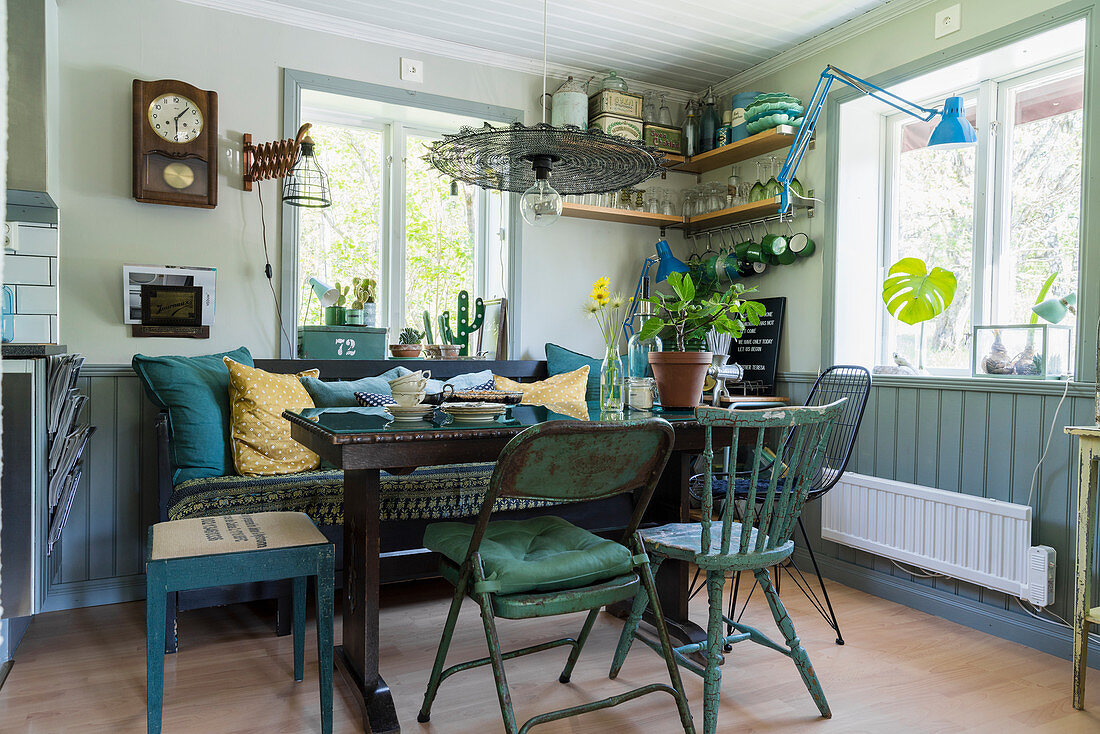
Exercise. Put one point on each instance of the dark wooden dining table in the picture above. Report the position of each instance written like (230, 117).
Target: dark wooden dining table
(365, 441)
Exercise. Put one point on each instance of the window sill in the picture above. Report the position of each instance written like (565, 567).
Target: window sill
(961, 383)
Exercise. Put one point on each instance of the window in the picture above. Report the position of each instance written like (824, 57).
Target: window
(1002, 216)
(393, 217)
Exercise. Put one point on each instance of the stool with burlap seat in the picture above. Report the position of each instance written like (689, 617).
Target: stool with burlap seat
(235, 549)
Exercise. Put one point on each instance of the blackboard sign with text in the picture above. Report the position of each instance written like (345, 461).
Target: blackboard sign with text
(758, 348)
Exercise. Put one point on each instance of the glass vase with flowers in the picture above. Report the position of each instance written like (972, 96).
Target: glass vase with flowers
(606, 308)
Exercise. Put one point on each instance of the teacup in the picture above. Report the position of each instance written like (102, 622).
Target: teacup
(420, 376)
(408, 399)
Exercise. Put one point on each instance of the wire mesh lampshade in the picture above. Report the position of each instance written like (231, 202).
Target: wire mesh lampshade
(511, 158)
(306, 183)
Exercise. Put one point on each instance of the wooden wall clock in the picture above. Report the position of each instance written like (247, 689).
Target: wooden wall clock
(175, 144)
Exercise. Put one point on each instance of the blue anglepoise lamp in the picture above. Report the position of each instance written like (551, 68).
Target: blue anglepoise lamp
(667, 264)
(953, 130)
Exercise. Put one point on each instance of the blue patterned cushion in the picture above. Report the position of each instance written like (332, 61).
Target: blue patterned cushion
(374, 399)
(466, 381)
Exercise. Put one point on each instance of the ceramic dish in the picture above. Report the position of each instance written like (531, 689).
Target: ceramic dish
(413, 413)
(473, 412)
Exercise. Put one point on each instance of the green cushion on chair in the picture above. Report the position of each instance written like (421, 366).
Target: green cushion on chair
(540, 554)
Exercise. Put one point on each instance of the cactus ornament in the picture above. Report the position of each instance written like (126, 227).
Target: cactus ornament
(463, 326)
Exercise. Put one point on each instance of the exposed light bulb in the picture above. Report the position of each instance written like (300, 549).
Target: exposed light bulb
(540, 205)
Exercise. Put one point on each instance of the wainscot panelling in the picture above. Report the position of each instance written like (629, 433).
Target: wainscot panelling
(979, 438)
(962, 436)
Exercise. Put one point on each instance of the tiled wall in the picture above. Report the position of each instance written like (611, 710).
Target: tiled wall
(30, 269)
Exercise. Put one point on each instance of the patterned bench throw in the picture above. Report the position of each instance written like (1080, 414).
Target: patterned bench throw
(429, 493)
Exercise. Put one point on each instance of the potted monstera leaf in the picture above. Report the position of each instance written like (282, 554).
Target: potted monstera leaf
(913, 294)
(680, 373)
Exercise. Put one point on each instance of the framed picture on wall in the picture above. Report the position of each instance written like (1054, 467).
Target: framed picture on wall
(136, 276)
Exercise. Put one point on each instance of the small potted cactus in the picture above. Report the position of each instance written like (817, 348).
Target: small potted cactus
(408, 344)
(336, 314)
(362, 311)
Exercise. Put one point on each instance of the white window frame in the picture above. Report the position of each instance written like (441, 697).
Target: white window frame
(392, 216)
(992, 192)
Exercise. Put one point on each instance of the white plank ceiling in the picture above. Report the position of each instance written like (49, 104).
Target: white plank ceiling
(682, 44)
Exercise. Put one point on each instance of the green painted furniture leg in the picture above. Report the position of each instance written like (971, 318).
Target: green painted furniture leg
(326, 574)
(298, 617)
(487, 621)
(156, 593)
(436, 678)
(712, 678)
(576, 652)
(630, 628)
(798, 653)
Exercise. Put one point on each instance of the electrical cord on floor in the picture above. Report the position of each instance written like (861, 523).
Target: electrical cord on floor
(1094, 637)
(1050, 435)
(270, 272)
(921, 573)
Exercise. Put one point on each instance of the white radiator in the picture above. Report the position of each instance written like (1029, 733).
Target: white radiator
(979, 540)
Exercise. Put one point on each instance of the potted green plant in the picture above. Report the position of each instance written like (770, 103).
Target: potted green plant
(680, 373)
(408, 344)
(362, 311)
(336, 314)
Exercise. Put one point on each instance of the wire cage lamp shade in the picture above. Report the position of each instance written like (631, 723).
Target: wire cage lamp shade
(306, 183)
(513, 157)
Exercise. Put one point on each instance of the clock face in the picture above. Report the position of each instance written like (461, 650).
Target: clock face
(175, 118)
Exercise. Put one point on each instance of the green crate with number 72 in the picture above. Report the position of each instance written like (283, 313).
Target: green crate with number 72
(341, 342)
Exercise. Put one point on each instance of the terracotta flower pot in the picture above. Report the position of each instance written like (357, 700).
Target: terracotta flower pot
(680, 377)
(405, 351)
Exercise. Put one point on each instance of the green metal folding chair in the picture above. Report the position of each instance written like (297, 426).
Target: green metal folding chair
(546, 566)
(763, 539)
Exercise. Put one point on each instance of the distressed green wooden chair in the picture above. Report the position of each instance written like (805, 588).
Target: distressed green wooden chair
(234, 549)
(762, 540)
(545, 566)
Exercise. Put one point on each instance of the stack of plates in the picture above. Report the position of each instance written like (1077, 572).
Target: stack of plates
(411, 413)
(474, 412)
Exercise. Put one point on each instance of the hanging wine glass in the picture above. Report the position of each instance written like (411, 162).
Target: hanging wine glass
(756, 193)
(772, 187)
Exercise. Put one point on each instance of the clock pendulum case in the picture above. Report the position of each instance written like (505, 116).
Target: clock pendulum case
(175, 144)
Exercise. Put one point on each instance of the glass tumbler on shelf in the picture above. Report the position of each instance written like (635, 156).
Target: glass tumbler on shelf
(652, 203)
(664, 114)
(649, 107)
(688, 208)
(716, 196)
(668, 207)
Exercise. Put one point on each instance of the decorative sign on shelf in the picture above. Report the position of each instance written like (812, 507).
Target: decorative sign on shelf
(758, 348)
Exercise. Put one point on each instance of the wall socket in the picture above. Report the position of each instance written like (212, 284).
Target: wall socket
(948, 21)
(412, 70)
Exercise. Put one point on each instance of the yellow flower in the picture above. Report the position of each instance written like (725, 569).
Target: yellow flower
(601, 284)
(601, 296)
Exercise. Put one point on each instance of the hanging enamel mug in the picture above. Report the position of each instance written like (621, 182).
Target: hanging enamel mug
(569, 105)
(801, 245)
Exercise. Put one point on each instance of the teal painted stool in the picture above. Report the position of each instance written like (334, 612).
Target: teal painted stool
(236, 549)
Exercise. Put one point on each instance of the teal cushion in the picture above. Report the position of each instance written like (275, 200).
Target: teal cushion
(341, 393)
(466, 381)
(560, 360)
(540, 554)
(195, 392)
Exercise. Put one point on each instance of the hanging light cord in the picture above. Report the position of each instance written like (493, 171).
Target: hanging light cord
(542, 99)
(269, 271)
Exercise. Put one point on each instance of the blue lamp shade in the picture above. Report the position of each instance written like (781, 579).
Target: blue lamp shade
(667, 263)
(325, 293)
(954, 130)
(1055, 309)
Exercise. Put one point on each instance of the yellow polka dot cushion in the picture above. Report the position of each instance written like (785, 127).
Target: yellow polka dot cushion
(568, 387)
(262, 445)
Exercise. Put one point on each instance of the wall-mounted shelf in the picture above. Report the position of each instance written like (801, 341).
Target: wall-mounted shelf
(757, 211)
(766, 142)
(623, 216)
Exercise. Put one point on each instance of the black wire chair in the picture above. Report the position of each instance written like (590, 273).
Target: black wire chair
(835, 383)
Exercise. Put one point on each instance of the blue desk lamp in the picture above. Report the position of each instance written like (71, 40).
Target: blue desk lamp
(667, 264)
(953, 131)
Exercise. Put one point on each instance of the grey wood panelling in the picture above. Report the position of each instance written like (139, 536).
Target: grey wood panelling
(982, 442)
(974, 441)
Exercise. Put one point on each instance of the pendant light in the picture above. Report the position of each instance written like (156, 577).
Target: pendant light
(543, 162)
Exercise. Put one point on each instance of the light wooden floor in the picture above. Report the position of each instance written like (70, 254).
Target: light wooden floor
(901, 671)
